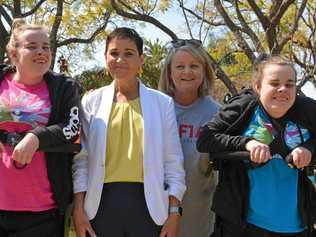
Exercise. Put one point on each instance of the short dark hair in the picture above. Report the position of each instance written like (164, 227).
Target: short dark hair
(125, 33)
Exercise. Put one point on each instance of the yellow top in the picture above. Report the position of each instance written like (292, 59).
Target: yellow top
(125, 143)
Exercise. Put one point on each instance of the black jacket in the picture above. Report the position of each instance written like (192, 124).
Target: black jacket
(223, 133)
(60, 132)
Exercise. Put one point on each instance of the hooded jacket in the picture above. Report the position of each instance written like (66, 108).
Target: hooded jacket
(223, 133)
(57, 137)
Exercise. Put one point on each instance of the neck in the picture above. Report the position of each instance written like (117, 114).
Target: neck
(126, 90)
(185, 99)
(26, 79)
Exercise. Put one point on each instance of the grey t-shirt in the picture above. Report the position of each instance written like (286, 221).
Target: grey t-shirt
(197, 220)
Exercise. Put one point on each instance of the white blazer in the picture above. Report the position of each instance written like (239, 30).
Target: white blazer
(162, 161)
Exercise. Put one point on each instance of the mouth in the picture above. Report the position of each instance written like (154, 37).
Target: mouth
(186, 79)
(281, 99)
(40, 61)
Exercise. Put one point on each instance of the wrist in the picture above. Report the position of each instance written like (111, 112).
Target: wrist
(175, 210)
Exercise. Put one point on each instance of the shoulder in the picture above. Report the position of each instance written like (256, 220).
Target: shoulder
(241, 101)
(239, 106)
(96, 94)
(210, 101)
(62, 80)
(157, 95)
(303, 110)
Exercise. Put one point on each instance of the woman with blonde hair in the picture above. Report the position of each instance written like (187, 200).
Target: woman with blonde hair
(187, 76)
(38, 111)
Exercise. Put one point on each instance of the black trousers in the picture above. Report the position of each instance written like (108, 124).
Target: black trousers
(31, 224)
(225, 229)
(123, 212)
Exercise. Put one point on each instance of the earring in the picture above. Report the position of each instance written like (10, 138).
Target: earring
(106, 72)
(140, 72)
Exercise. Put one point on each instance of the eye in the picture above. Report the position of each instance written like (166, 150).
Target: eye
(114, 54)
(31, 47)
(274, 84)
(179, 67)
(128, 54)
(289, 85)
(46, 48)
(195, 66)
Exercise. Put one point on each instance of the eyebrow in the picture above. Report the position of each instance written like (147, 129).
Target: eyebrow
(45, 43)
(128, 49)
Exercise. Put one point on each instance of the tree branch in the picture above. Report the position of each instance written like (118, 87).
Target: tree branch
(91, 38)
(5, 15)
(32, 11)
(201, 18)
(235, 29)
(143, 17)
(246, 29)
(265, 22)
(294, 26)
(186, 18)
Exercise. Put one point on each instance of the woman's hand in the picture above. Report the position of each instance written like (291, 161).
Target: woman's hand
(24, 151)
(259, 152)
(171, 226)
(301, 157)
(82, 224)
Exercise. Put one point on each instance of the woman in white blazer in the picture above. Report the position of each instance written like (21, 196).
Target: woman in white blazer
(129, 178)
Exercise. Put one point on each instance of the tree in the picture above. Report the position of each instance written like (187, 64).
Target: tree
(248, 27)
(69, 22)
(155, 53)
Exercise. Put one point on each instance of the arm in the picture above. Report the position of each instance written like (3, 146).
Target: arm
(81, 221)
(66, 129)
(80, 177)
(174, 171)
(171, 225)
(56, 134)
(173, 159)
(216, 135)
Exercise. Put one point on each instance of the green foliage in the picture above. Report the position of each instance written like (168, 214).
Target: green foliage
(93, 79)
(155, 52)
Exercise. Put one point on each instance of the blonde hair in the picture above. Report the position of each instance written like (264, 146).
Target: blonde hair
(166, 84)
(17, 28)
(266, 61)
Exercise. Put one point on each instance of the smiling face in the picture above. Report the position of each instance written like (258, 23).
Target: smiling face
(32, 56)
(123, 59)
(277, 89)
(186, 73)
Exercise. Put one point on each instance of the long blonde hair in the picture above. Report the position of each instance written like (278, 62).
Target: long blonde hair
(166, 84)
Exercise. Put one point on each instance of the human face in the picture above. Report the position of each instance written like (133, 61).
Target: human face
(123, 59)
(32, 57)
(277, 89)
(186, 73)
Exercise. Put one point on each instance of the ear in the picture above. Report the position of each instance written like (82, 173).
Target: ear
(13, 55)
(257, 87)
(142, 59)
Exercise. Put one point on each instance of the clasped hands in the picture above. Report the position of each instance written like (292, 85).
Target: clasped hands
(260, 153)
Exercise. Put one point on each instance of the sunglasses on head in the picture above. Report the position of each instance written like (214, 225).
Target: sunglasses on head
(182, 42)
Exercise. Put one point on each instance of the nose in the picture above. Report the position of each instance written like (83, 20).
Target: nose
(282, 88)
(40, 51)
(187, 70)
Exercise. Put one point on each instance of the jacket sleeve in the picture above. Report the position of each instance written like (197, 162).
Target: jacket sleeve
(80, 161)
(173, 159)
(216, 135)
(304, 112)
(66, 129)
